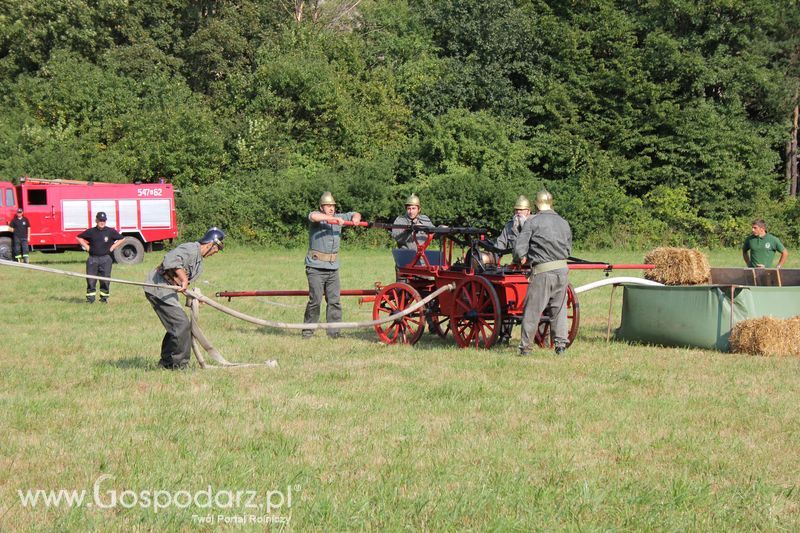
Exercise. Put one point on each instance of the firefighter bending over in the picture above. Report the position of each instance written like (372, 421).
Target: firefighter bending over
(180, 267)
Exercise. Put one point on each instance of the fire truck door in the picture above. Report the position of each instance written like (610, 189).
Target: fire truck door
(41, 212)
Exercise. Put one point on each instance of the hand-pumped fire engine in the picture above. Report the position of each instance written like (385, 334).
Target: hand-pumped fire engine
(58, 210)
(487, 302)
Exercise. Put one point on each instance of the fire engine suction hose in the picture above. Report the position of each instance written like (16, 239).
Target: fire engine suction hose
(194, 297)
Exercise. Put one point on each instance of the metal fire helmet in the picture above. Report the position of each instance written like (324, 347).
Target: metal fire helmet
(327, 199)
(214, 235)
(544, 200)
(522, 203)
(413, 199)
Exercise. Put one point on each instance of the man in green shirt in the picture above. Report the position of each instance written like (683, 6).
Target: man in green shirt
(759, 249)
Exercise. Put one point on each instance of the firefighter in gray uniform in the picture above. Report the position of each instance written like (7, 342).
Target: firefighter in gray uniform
(507, 238)
(407, 238)
(545, 243)
(322, 262)
(179, 267)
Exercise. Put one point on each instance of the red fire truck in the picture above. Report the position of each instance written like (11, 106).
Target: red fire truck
(58, 210)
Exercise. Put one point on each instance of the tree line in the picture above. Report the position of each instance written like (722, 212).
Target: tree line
(650, 121)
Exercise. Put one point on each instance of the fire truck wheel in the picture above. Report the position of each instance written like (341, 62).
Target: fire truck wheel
(130, 253)
(5, 248)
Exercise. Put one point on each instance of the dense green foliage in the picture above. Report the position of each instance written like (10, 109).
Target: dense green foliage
(656, 121)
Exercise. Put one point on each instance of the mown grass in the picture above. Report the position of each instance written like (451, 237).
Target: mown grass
(383, 437)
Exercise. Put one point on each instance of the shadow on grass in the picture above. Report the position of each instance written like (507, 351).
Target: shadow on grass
(428, 341)
(137, 362)
(81, 300)
(60, 262)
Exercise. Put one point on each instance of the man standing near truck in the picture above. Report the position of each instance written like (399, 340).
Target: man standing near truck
(22, 236)
(99, 241)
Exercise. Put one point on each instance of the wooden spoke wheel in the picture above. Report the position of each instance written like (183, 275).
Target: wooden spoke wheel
(392, 300)
(437, 322)
(440, 324)
(573, 321)
(476, 313)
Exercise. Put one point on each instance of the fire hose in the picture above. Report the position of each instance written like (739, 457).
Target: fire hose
(196, 296)
(200, 340)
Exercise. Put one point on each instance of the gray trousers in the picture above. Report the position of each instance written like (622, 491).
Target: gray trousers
(322, 283)
(176, 347)
(547, 290)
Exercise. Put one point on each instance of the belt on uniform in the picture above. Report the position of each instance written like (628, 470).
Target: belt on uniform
(321, 256)
(549, 265)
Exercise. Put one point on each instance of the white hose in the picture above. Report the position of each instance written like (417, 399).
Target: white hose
(236, 314)
(616, 281)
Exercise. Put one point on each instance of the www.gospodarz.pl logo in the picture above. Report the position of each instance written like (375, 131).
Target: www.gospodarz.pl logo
(209, 499)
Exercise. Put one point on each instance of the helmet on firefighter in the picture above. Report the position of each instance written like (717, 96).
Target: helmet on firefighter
(214, 235)
(327, 199)
(413, 199)
(522, 203)
(544, 200)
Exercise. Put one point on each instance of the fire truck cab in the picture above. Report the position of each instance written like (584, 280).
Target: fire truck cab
(59, 210)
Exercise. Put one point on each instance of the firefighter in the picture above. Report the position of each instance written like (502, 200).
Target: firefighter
(99, 241)
(507, 238)
(545, 243)
(179, 267)
(322, 262)
(22, 236)
(407, 238)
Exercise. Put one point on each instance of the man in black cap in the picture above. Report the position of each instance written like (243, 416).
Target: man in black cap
(179, 267)
(22, 235)
(99, 241)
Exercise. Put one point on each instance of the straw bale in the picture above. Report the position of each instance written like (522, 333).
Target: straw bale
(767, 336)
(678, 266)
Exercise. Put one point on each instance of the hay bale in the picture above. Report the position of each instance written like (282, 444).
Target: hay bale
(767, 336)
(678, 266)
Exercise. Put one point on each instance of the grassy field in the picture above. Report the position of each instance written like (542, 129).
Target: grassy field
(365, 436)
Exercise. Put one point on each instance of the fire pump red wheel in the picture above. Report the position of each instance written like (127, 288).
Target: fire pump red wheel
(475, 320)
(394, 299)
